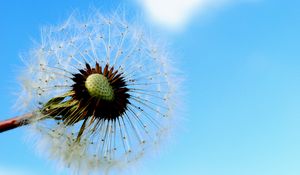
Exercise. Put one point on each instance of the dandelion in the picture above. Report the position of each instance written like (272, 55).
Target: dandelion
(101, 90)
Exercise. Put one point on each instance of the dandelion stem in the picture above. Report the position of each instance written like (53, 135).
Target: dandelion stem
(15, 122)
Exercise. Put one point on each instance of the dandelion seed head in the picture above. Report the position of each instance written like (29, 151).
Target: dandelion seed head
(102, 90)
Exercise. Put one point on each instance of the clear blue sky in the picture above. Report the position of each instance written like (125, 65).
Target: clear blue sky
(242, 67)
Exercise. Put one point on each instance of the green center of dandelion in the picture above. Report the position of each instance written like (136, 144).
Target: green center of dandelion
(99, 87)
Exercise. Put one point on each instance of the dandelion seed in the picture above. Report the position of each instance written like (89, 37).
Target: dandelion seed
(103, 90)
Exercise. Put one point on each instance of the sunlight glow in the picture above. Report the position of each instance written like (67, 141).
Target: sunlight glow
(171, 13)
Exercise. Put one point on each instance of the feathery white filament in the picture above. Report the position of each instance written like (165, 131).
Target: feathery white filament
(104, 144)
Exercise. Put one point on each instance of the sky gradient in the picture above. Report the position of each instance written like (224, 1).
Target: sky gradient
(241, 66)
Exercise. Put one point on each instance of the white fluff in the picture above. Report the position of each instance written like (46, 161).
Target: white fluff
(63, 50)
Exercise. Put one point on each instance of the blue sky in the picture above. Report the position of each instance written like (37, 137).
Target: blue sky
(241, 65)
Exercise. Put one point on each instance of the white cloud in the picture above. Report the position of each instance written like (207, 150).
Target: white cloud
(175, 14)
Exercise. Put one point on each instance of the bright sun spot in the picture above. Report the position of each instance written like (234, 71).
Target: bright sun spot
(171, 13)
(175, 14)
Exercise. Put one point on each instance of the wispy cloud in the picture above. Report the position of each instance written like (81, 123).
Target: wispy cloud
(175, 14)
